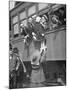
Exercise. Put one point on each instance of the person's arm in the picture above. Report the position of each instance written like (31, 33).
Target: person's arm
(17, 66)
(23, 65)
(17, 63)
(20, 57)
(43, 53)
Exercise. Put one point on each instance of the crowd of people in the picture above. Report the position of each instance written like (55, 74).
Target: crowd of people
(34, 31)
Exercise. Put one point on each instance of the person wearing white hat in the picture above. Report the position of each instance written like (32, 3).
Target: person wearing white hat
(30, 20)
(38, 19)
(43, 21)
(34, 36)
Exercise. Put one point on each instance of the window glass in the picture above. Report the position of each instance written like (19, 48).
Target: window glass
(16, 29)
(15, 19)
(42, 5)
(22, 15)
(31, 10)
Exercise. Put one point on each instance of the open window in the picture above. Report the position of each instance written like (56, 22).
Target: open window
(45, 20)
(58, 17)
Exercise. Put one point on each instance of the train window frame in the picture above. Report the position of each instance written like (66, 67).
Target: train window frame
(43, 7)
(56, 10)
(29, 8)
(16, 34)
(21, 13)
(56, 7)
(13, 22)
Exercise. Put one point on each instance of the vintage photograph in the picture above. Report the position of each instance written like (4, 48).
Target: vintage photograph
(37, 44)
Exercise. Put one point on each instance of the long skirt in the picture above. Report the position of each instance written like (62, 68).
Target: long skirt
(37, 75)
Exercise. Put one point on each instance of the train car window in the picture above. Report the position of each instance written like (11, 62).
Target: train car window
(31, 10)
(42, 6)
(58, 17)
(22, 15)
(15, 19)
(16, 30)
(62, 16)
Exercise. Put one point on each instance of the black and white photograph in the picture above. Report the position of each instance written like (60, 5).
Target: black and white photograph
(37, 44)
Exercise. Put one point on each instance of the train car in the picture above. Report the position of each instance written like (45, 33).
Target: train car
(55, 33)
